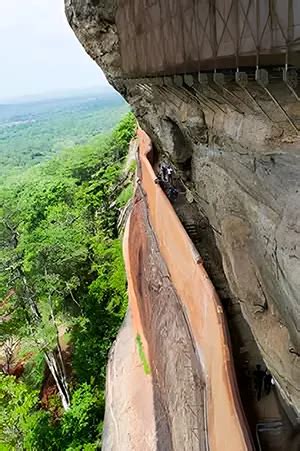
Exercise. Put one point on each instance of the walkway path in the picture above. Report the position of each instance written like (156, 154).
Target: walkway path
(227, 428)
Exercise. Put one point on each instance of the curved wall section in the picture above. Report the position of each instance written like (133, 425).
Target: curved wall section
(227, 428)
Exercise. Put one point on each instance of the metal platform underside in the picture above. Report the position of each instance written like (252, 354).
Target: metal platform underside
(166, 37)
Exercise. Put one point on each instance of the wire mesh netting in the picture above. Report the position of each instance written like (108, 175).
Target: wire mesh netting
(178, 36)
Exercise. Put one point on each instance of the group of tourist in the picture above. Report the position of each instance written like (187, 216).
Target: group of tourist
(263, 381)
(165, 179)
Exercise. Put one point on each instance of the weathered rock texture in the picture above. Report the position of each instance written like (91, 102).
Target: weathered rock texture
(129, 413)
(243, 171)
(247, 185)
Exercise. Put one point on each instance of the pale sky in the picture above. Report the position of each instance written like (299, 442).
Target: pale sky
(39, 52)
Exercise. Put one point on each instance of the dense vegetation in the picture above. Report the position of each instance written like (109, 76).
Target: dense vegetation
(63, 291)
(32, 132)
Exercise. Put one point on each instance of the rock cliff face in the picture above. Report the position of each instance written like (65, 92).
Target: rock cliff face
(242, 174)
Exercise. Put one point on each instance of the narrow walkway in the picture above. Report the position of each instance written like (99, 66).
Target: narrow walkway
(269, 424)
(227, 428)
(159, 319)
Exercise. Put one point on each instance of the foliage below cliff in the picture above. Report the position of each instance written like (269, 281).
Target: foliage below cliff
(61, 268)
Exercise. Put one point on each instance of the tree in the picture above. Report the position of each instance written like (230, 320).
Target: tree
(17, 404)
(61, 267)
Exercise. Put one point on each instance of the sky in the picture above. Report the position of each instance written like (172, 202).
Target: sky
(39, 54)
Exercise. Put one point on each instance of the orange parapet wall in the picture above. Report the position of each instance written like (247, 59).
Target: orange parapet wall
(227, 427)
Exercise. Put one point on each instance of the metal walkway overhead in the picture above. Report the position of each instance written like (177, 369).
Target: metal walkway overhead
(185, 36)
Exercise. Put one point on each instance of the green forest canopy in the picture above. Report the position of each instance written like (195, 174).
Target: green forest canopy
(61, 268)
(31, 132)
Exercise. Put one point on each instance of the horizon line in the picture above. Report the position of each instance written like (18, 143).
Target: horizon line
(52, 95)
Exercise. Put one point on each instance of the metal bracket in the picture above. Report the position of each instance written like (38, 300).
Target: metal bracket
(188, 80)
(168, 81)
(241, 79)
(219, 78)
(157, 81)
(262, 77)
(178, 81)
(202, 79)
